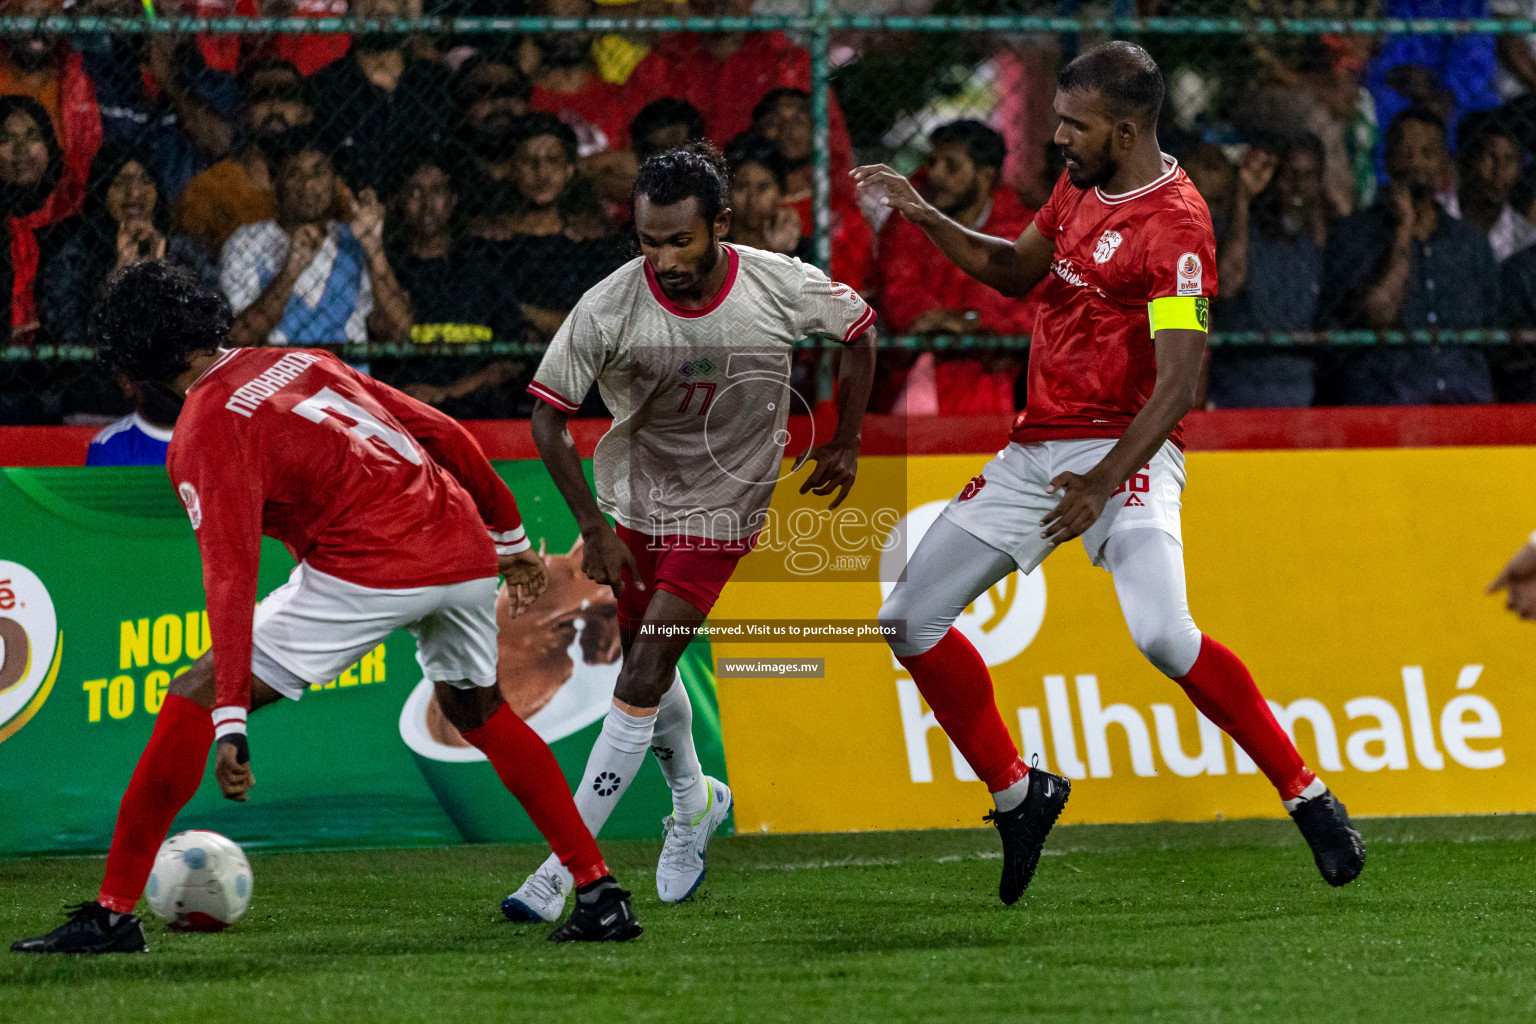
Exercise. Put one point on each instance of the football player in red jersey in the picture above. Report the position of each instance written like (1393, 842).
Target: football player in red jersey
(1127, 258)
(396, 520)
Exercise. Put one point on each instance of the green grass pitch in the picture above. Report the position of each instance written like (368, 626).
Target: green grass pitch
(1212, 922)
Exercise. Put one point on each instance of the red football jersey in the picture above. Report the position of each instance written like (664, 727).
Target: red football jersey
(355, 478)
(1091, 361)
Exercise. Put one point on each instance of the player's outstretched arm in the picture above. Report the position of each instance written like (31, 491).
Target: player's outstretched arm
(837, 461)
(1179, 353)
(1012, 268)
(603, 556)
(457, 451)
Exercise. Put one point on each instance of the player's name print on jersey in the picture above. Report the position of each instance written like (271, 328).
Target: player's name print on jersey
(249, 396)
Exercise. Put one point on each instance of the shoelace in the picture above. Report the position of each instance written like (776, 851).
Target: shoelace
(546, 888)
(675, 852)
(80, 915)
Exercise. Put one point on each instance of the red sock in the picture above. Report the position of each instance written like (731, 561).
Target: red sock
(1222, 688)
(164, 780)
(525, 766)
(954, 681)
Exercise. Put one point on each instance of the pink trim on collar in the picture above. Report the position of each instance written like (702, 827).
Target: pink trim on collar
(691, 314)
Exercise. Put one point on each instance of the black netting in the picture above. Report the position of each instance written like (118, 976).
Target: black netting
(433, 202)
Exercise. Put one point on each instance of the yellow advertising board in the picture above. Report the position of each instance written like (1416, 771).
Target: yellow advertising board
(1350, 582)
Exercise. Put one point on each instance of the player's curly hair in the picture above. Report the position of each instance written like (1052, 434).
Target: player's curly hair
(692, 171)
(152, 317)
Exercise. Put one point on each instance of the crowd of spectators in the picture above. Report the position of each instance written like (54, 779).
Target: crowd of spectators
(394, 188)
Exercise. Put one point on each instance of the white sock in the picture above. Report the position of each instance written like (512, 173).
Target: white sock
(615, 760)
(1008, 799)
(675, 753)
(1314, 789)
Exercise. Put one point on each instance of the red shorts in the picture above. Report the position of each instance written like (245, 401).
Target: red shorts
(694, 569)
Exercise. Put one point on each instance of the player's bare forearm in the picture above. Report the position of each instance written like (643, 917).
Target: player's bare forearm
(837, 461)
(855, 381)
(604, 557)
(994, 262)
(1083, 497)
(1178, 379)
(553, 439)
(1012, 268)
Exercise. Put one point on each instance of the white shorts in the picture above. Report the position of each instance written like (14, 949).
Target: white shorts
(312, 628)
(1003, 505)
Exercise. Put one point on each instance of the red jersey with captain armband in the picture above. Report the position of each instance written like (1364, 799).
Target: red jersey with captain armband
(356, 479)
(1091, 361)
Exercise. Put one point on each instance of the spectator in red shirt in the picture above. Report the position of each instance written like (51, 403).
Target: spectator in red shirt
(759, 217)
(921, 293)
(568, 84)
(30, 167)
(783, 117)
(45, 67)
(724, 74)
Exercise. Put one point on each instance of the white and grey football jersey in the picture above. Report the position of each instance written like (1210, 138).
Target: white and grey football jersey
(700, 397)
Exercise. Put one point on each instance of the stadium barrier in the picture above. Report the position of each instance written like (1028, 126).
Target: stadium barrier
(1334, 549)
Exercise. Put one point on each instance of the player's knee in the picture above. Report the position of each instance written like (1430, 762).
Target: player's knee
(642, 688)
(196, 683)
(1171, 645)
(467, 707)
(905, 626)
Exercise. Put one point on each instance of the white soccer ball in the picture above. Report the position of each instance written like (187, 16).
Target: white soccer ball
(201, 882)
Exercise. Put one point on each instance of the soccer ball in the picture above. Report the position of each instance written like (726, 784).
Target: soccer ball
(201, 882)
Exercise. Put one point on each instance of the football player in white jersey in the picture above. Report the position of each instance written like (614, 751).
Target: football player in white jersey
(690, 347)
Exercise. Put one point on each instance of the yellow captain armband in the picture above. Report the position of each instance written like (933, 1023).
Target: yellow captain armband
(1179, 313)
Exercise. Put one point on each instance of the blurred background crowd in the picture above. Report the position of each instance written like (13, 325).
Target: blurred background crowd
(445, 195)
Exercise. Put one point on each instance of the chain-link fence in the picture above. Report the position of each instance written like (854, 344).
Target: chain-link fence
(431, 190)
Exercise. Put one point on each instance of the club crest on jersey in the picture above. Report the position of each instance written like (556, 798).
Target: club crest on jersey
(1189, 274)
(696, 368)
(188, 495)
(1108, 243)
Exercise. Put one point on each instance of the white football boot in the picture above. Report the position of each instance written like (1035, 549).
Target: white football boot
(541, 897)
(680, 871)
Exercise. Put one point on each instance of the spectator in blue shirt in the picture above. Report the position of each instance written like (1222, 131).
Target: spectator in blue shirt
(141, 437)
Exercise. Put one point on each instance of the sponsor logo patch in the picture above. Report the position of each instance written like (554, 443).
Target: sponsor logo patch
(1190, 274)
(972, 487)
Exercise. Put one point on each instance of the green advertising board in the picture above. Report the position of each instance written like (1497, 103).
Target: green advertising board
(101, 604)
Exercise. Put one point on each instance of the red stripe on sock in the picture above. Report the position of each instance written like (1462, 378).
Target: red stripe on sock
(1221, 686)
(528, 769)
(953, 679)
(165, 778)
